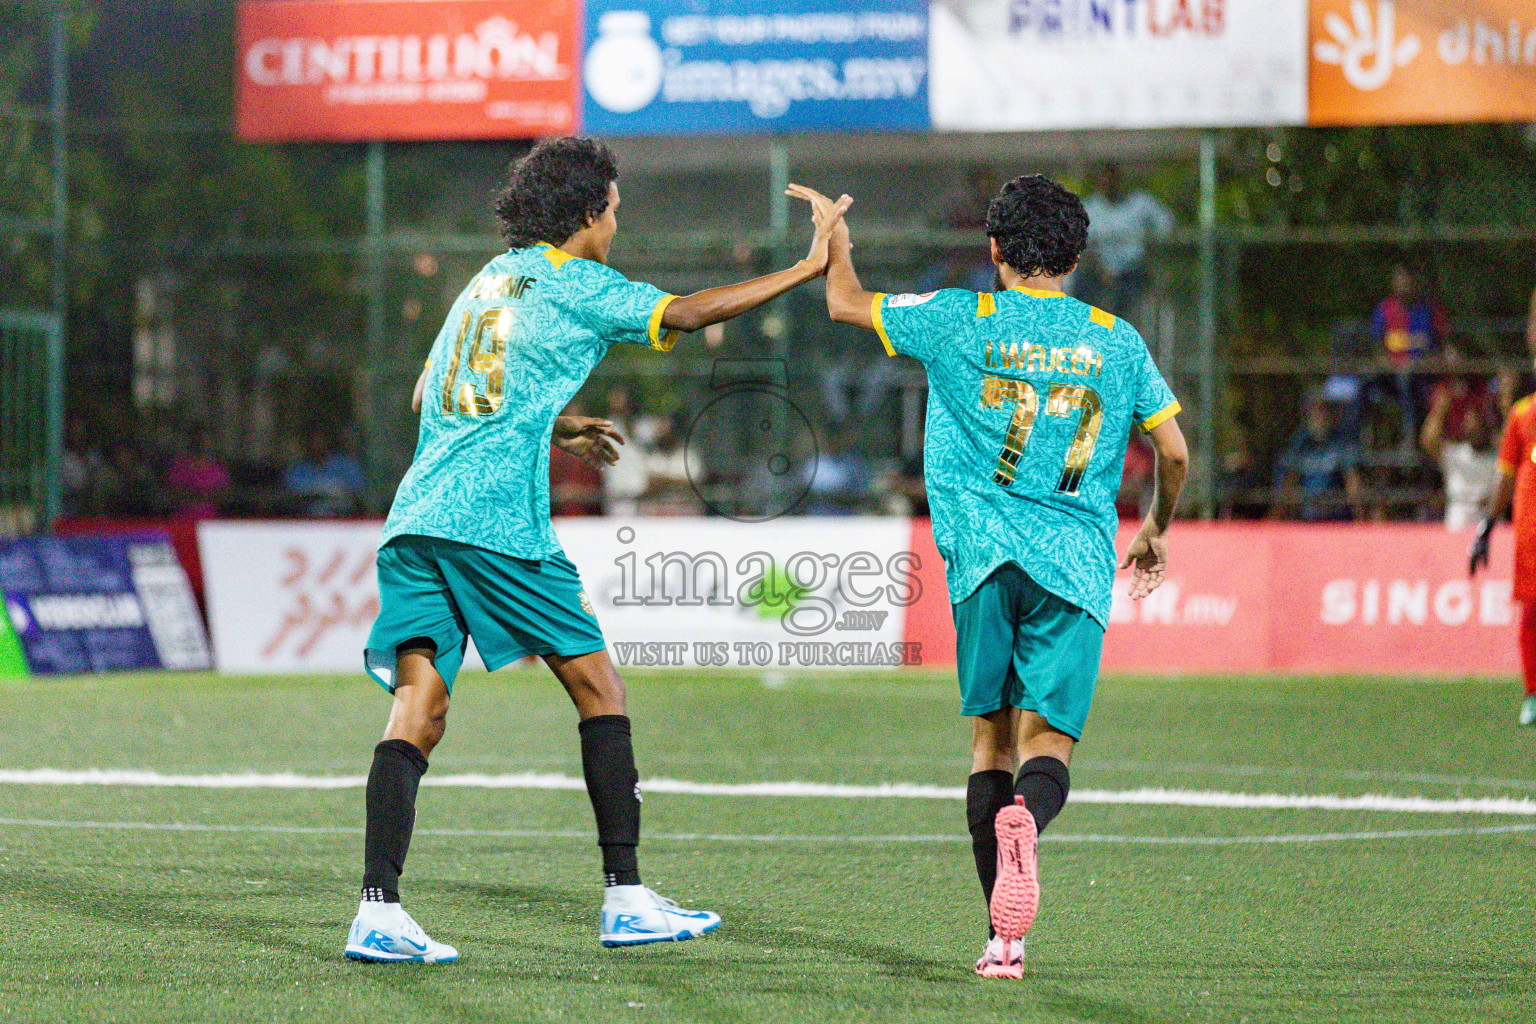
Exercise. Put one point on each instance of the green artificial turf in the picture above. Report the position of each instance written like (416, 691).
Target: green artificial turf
(835, 909)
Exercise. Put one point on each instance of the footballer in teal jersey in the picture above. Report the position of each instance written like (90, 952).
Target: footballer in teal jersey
(468, 551)
(1032, 396)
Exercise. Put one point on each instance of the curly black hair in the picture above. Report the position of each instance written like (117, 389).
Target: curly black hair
(1040, 227)
(553, 189)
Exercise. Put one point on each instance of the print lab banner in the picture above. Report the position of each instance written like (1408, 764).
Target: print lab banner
(661, 67)
(1017, 65)
(1385, 62)
(302, 596)
(101, 604)
(345, 70)
(1378, 600)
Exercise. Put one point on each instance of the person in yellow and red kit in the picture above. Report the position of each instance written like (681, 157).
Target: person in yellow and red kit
(1517, 483)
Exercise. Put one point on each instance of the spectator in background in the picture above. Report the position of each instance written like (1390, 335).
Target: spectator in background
(327, 480)
(197, 478)
(1458, 434)
(1406, 325)
(839, 478)
(1409, 329)
(1317, 475)
(1113, 274)
(906, 493)
(624, 483)
(127, 488)
(82, 468)
(670, 490)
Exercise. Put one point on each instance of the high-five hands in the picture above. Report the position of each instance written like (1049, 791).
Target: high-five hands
(1147, 558)
(589, 439)
(827, 215)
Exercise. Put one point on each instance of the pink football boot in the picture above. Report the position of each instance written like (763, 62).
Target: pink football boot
(1016, 895)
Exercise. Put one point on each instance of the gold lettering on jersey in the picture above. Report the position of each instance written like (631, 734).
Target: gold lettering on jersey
(1082, 361)
(487, 357)
(501, 286)
(997, 392)
(1063, 401)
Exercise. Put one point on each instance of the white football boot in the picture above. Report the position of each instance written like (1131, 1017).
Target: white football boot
(384, 933)
(634, 915)
(1000, 961)
(1528, 711)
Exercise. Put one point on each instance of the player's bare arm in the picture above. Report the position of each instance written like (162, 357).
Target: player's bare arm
(715, 305)
(847, 301)
(1147, 555)
(725, 302)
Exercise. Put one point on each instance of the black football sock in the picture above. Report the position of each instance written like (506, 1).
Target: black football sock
(391, 802)
(1044, 783)
(613, 784)
(986, 793)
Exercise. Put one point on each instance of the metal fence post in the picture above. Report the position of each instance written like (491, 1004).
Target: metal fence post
(1207, 298)
(374, 360)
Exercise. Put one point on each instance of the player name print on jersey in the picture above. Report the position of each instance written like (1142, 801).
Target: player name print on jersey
(1082, 360)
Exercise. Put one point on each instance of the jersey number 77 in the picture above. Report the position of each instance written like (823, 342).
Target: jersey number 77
(1062, 400)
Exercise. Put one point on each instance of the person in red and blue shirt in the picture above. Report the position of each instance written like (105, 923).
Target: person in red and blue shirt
(1408, 326)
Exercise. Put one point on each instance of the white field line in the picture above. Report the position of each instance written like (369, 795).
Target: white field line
(1156, 797)
(725, 837)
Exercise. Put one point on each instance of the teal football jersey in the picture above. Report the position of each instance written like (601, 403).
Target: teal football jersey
(516, 347)
(1031, 399)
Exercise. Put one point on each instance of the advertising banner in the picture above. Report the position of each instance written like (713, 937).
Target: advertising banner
(302, 596)
(1016, 65)
(1386, 62)
(347, 70)
(101, 604)
(659, 67)
(290, 597)
(1377, 600)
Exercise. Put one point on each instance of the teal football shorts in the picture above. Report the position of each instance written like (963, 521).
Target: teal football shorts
(1018, 644)
(447, 592)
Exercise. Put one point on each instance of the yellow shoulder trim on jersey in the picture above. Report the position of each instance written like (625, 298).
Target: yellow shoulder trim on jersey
(1507, 469)
(1520, 406)
(986, 304)
(558, 257)
(662, 342)
(1103, 319)
(1040, 293)
(874, 314)
(1157, 419)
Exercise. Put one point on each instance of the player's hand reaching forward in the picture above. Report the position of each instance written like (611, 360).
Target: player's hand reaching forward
(1147, 558)
(589, 439)
(827, 215)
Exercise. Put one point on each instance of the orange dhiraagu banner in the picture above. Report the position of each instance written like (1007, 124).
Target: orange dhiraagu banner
(1390, 600)
(350, 70)
(1422, 61)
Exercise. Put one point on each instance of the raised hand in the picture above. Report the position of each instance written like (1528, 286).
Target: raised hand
(589, 439)
(1147, 558)
(827, 215)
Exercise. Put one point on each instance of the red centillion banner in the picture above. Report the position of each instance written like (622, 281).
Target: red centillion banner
(353, 70)
(1377, 600)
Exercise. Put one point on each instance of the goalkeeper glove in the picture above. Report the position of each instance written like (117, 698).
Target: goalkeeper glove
(1477, 557)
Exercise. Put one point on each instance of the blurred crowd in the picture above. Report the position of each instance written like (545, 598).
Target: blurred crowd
(174, 471)
(1405, 421)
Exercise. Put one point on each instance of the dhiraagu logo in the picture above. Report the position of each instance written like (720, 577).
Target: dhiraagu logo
(1367, 50)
